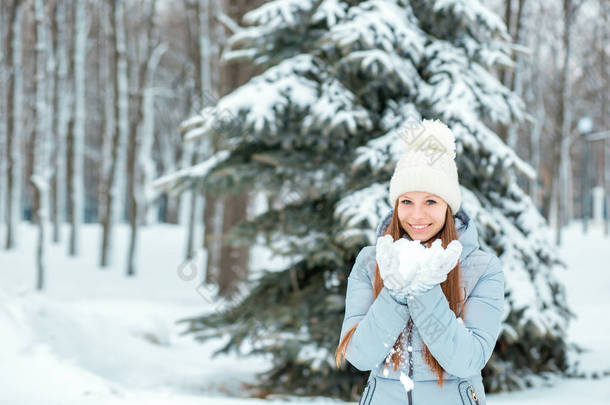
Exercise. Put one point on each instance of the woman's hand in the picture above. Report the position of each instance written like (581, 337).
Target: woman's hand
(407, 267)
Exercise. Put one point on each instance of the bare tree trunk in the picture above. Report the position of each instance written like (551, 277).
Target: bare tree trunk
(208, 93)
(172, 158)
(554, 206)
(105, 76)
(120, 131)
(76, 186)
(566, 181)
(504, 74)
(135, 160)
(61, 117)
(201, 57)
(50, 111)
(147, 165)
(508, 14)
(604, 151)
(536, 98)
(194, 200)
(213, 215)
(3, 133)
(14, 110)
(234, 260)
(40, 170)
(516, 84)
(69, 162)
(233, 266)
(565, 115)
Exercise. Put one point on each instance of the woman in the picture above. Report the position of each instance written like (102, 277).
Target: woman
(427, 346)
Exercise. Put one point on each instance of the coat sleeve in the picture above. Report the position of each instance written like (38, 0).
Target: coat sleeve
(379, 321)
(462, 348)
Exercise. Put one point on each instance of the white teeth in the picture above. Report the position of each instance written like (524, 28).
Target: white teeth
(420, 227)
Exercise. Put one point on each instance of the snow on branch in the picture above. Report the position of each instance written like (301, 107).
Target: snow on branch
(379, 25)
(475, 13)
(461, 89)
(330, 11)
(197, 171)
(385, 66)
(363, 209)
(228, 22)
(279, 13)
(385, 150)
(296, 86)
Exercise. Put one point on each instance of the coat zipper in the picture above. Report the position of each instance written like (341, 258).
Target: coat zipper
(409, 344)
(473, 395)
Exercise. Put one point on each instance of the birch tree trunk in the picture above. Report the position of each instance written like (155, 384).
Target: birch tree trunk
(139, 129)
(49, 93)
(171, 158)
(535, 97)
(191, 200)
(14, 108)
(105, 73)
(212, 208)
(61, 117)
(146, 163)
(41, 173)
(121, 129)
(566, 119)
(516, 84)
(76, 184)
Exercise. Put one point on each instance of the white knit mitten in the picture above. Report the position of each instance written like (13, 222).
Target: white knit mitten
(387, 255)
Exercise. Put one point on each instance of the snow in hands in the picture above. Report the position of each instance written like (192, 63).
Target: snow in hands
(409, 268)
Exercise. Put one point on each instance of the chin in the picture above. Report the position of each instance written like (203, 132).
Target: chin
(419, 237)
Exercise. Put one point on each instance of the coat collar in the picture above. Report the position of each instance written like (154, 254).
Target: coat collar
(467, 231)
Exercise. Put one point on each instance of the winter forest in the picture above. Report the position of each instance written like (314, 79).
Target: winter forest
(185, 186)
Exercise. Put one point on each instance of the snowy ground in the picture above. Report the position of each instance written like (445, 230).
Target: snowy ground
(98, 337)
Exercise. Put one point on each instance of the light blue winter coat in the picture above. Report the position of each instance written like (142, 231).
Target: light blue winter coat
(462, 348)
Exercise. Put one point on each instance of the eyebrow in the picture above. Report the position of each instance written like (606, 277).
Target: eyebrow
(429, 195)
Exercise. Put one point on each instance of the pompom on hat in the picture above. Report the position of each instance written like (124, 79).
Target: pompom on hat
(428, 164)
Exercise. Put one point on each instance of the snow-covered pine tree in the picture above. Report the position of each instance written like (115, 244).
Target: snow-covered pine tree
(319, 129)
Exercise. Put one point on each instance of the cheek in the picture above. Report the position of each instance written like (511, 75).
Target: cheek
(402, 218)
(439, 215)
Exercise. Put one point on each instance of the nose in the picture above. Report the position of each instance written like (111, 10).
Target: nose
(418, 213)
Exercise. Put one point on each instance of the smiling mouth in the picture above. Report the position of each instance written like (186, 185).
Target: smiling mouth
(418, 228)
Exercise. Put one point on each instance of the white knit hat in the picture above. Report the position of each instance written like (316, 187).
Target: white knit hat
(428, 164)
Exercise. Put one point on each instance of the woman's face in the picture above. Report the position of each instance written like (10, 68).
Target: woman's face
(421, 208)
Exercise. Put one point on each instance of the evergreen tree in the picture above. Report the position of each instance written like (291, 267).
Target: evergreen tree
(319, 129)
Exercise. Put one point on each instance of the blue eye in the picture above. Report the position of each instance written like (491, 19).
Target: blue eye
(407, 201)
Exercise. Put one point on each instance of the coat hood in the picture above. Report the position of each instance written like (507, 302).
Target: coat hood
(467, 231)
